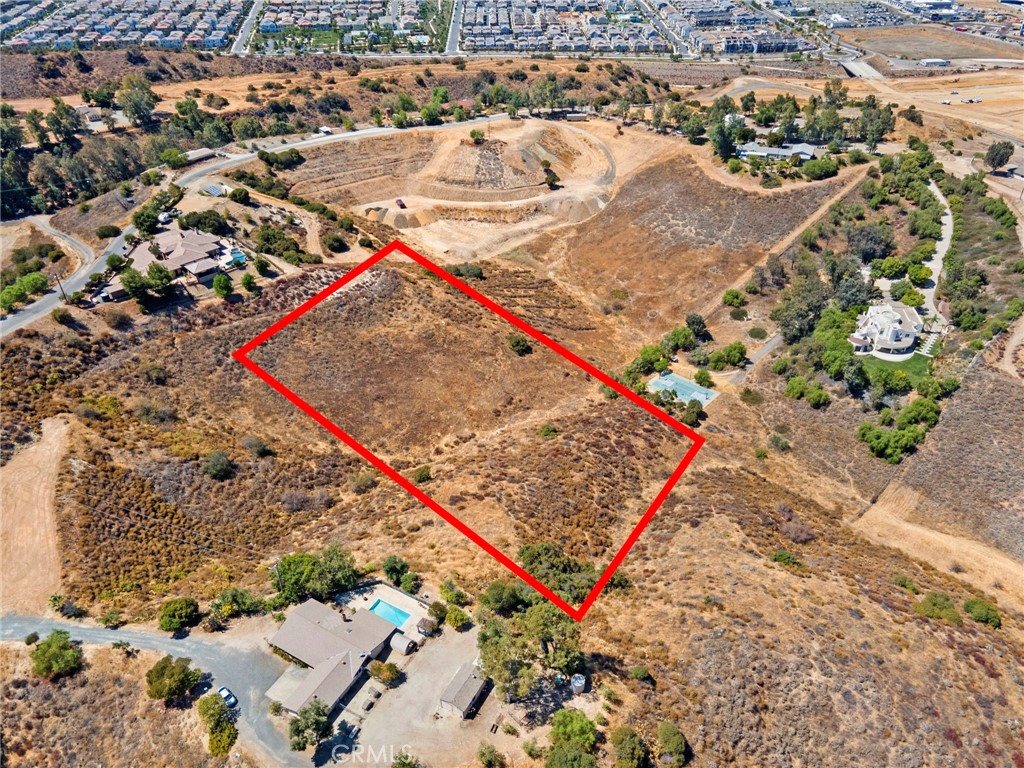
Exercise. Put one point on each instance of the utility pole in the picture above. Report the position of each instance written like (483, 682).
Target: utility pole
(61, 287)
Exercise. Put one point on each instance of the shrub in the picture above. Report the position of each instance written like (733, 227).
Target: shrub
(983, 611)
(640, 673)
(387, 673)
(786, 558)
(31, 638)
(571, 729)
(239, 195)
(778, 442)
(56, 656)
(817, 396)
(335, 243)
(760, 454)
(178, 613)
(421, 475)
(261, 265)
(490, 757)
(905, 582)
(758, 333)
(796, 387)
(365, 242)
(363, 483)
(751, 396)
(703, 377)
(410, 582)
(171, 679)
(257, 447)
(938, 605)
(548, 431)
(452, 594)
(438, 611)
(218, 466)
(62, 316)
(735, 165)
(733, 298)
(519, 344)
(107, 231)
(456, 618)
(394, 568)
(222, 285)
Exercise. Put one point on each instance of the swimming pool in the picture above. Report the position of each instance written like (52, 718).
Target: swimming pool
(388, 612)
(684, 389)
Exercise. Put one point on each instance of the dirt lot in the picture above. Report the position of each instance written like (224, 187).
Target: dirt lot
(23, 233)
(105, 209)
(29, 560)
(929, 42)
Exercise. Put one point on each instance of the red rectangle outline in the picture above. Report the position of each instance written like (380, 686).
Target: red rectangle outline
(242, 356)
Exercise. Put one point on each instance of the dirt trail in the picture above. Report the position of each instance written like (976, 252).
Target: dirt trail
(29, 558)
(984, 566)
(1007, 361)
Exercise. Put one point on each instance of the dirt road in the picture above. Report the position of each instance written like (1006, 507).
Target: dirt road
(983, 566)
(29, 559)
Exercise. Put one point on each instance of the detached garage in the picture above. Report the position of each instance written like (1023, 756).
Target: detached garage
(463, 692)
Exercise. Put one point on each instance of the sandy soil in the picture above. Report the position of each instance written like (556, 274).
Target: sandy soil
(984, 567)
(29, 562)
(1002, 94)
(929, 42)
(21, 233)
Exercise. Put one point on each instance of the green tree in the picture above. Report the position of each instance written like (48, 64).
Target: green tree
(998, 154)
(572, 729)
(222, 285)
(212, 710)
(249, 283)
(696, 323)
(721, 141)
(983, 611)
(64, 121)
(145, 220)
(310, 727)
(394, 568)
(173, 157)
(171, 679)
(137, 99)
(239, 195)
(410, 582)
(56, 656)
(630, 751)
(159, 279)
(672, 744)
(304, 575)
(178, 613)
(456, 618)
(702, 377)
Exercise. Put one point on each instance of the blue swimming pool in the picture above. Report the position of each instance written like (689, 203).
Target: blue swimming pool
(388, 612)
(684, 389)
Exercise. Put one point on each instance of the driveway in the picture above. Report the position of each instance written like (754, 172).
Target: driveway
(238, 659)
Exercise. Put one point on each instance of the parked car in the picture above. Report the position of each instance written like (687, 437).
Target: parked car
(228, 696)
(367, 705)
(400, 203)
(373, 693)
(945, 101)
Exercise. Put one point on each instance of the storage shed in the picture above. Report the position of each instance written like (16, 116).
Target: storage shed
(402, 644)
(463, 692)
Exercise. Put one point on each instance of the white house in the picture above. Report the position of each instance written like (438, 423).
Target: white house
(887, 329)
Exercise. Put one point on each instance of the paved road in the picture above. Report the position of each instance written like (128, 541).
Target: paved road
(93, 262)
(772, 343)
(454, 28)
(89, 262)
(248, 672)
(241, 44)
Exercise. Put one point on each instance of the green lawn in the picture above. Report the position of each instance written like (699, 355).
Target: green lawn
(916, 368)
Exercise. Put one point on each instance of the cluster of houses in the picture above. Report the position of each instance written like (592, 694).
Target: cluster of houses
(338, 15)
(158, 23)
(725, 27)
(559, 25)
(14, 16)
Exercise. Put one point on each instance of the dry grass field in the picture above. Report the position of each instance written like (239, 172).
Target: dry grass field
(924, 42)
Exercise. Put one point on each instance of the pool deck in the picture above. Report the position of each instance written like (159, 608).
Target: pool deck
(365, 596)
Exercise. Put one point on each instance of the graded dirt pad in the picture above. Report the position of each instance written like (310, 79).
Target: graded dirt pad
(29, 560)
(422, 375)
(925, 42)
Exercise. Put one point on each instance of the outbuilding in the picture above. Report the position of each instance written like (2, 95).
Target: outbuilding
(464, 691)
(404, 645)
